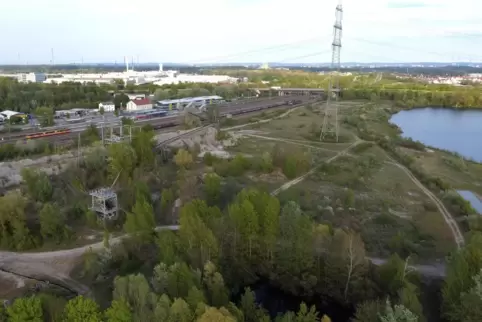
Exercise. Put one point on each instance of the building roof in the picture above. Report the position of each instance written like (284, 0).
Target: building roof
(190, 99)
(107, 103)
(8, 113)
(144, 101)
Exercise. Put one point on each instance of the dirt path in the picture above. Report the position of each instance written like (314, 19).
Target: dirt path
(458, 236)
(301, 178)
(56, 265)
(296, 142)
(433, 270)
(262, 121)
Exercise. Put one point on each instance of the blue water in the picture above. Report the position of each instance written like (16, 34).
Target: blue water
(475, 202)
(449, 129)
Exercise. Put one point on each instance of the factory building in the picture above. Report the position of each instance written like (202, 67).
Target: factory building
(31, 77)
(189, 101)
(107, 106)
(139, 104)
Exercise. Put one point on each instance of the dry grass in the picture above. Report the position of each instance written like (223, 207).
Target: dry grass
(460, 174)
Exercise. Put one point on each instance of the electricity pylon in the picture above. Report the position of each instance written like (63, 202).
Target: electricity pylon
(331, 109)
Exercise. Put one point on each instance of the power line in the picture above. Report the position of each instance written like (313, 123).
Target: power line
(392, 45)
(270, 48)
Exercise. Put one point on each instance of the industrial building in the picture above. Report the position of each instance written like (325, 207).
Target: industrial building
(135, 96)
(188, 101)
(107, 106)
(139, 104)
(31, 77)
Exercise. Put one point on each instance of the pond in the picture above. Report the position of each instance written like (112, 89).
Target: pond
(454, 130)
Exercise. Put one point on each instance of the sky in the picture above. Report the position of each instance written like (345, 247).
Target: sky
(221, 31)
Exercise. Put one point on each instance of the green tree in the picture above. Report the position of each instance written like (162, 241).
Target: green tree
(81, 309)
(118, 311)
(198, 240)
(135, 290)
(398, 313)
(252, 312)
(462, 266)
(122, 162)
(120, 100)
(52, 306)
(183, 159)
(175, 280)
(101, 111)
(45, 115)
(471, 301)
(168, 245)
(140, 221)
(216, 315)
(14, 232)
(25, 309)
(212, 188)
(409, 298)
(52, 223)
(307, 315)
(180, 312)
(38, 184)
(368, 311)
(214, 282)
(143, 144)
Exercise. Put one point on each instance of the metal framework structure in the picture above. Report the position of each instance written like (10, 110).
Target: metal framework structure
(329, 126)
(104, 203)
(113, 137)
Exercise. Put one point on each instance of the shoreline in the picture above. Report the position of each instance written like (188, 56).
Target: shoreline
(427, 146)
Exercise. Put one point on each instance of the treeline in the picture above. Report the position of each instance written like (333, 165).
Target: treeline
(27, 97)
(202, 273)
(420, 96)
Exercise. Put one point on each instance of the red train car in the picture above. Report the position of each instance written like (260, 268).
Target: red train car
(47, 134)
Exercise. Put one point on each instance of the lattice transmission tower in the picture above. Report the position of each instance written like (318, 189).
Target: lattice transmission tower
(330, 127)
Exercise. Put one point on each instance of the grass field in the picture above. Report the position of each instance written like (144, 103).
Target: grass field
(361, 190)
(461, 174)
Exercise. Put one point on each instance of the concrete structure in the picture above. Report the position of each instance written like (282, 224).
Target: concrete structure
(139, 104)
(31, 77)
(107, 106)
(134, 96)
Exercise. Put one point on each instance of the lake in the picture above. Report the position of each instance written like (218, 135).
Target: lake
(449, 129)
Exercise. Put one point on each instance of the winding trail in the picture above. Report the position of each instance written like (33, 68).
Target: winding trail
(295, 181)
(449, 219)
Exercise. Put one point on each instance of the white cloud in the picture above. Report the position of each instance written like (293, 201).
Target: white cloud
(193, 30)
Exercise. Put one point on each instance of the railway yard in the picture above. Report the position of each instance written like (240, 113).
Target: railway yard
(69, 133)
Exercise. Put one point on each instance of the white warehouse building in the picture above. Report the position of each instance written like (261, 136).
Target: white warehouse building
(31, 77)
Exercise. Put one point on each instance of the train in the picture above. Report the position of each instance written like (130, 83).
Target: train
(47, 134)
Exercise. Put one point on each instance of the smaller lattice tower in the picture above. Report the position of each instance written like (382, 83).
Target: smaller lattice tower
(104, 203)
(330, 126)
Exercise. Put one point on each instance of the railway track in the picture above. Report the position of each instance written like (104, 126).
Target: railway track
(171, 121)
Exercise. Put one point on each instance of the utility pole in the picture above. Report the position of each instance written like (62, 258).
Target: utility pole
(78, 151)
(334, 83)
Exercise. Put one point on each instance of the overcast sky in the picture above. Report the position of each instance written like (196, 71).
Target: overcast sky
(195, 31)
